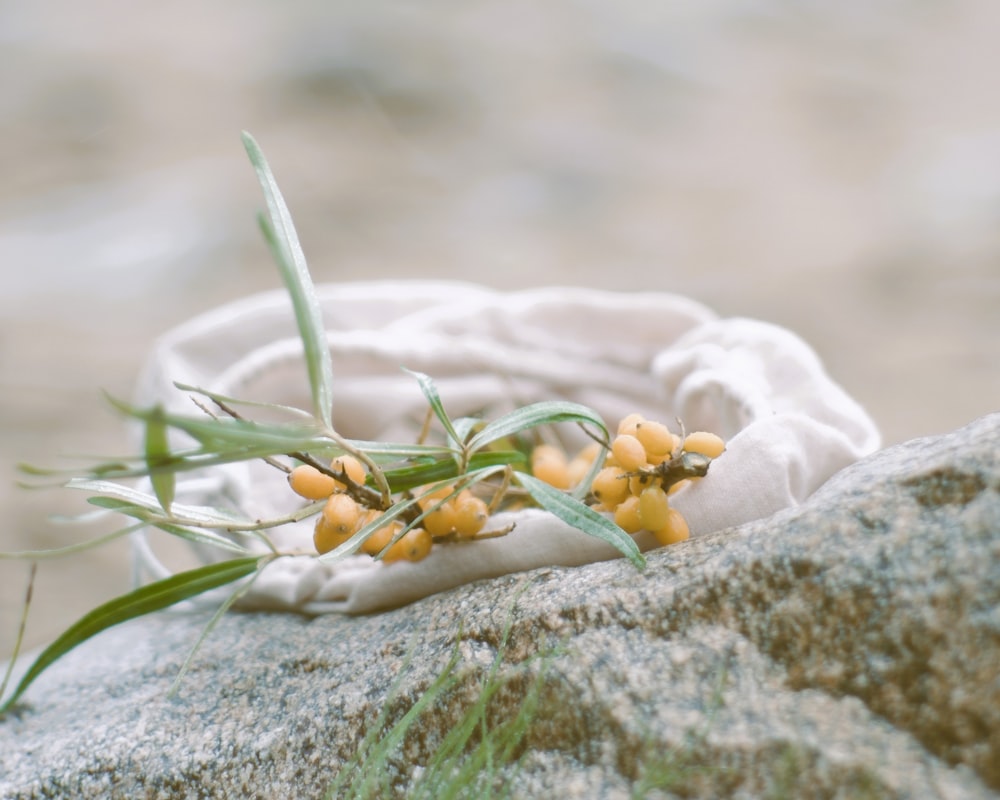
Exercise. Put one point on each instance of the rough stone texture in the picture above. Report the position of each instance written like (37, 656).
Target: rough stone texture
(847, 648)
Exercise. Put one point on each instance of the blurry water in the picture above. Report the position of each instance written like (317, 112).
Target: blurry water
(831, 167)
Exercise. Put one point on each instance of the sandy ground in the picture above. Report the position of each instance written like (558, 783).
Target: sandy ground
(831, 167)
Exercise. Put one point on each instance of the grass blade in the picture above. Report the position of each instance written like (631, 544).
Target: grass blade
(580, 516)
(547, 412)
(209, 627)
(19, 640)
(363, 776)
(157, 451)
(144, 600)
(279, 231)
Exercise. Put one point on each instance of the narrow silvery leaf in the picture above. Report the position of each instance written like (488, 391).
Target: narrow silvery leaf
(580, 516)
(547, 412)
(157, 451)
(279, 231)
(116, 494)
(434, 399)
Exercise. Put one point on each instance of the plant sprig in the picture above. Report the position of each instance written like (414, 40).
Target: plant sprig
(473, 453)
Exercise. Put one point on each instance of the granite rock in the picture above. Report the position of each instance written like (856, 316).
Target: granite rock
(845, 648)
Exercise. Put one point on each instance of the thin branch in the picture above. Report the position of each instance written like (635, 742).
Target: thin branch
(236, 415)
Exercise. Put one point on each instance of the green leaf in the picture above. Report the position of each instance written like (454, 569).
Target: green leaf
(228, 400)
(142, 601)
(116, 496)
(202, 537)
(226, 437)
(193, 522)
(431, 393)
(58, 552)
(386, 451)
(575, 513)
(226, 440)
(547, 412)
(157, 451)
(410, 477)
(582, 489)
(227, 433)
(464, 427)
(279, 231)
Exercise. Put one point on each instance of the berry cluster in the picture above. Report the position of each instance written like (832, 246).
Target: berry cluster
(646, 464)
(447, 514)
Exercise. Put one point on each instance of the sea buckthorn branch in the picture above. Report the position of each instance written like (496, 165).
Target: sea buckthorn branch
(392, 501)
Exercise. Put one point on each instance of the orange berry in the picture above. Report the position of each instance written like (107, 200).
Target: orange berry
(471, 514)
(355, 469)
(308, 482)
(655, 461)
(415, 545)
(590, 452)
(440, 521)
(628, 452)
(654, 508)
(629, 424)
(327, 537)
(639, 482)
(675, 530)
(549, 464)
(708, 444)
(342, 513)
(577, 470)
(428, 497)
(655, 437)
(627, 515)
(377, 541)
(547, 452)
(610, 486)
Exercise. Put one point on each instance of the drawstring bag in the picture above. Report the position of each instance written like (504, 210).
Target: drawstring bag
(788, 427)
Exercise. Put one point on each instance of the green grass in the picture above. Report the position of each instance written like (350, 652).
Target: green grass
(483, 750)
(477, 756)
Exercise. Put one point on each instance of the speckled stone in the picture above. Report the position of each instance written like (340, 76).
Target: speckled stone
(845, 648)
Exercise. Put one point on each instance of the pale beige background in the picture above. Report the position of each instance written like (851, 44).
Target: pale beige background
(831, 167)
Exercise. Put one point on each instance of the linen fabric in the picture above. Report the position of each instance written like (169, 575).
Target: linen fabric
(788, 427)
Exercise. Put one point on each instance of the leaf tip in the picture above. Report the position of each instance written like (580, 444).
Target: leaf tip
(248, 141)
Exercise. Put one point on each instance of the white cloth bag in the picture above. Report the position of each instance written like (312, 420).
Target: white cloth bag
(787, 425)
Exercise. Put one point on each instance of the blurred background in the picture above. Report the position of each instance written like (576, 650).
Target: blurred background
(832, 167)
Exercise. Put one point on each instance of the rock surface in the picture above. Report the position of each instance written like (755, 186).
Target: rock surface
(845, 648)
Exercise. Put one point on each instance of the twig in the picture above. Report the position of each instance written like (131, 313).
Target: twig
(501, 491)
(236, 415)
(362, 494)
